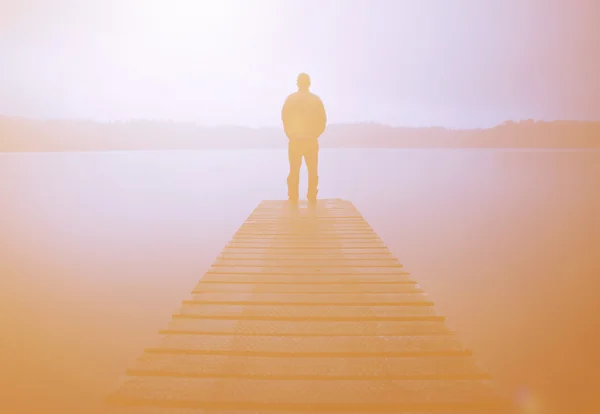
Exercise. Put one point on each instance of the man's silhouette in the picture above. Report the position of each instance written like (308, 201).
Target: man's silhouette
(304, 120)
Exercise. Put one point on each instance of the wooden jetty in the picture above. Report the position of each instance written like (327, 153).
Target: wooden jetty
(306, 311)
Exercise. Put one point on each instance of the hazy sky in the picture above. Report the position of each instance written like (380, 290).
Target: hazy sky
(455, 63)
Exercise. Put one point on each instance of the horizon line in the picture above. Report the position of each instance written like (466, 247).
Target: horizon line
(347, 123)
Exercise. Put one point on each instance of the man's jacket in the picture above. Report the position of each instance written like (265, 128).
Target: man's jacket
(303, 116)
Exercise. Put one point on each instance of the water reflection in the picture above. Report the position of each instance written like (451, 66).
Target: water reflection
(98, 250)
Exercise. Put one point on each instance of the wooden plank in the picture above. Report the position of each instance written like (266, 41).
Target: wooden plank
(307, 233)
(356, 319)
(299, 225)
(307, 213)
(304, 206)
(309, 218)
(283, 250)
(298, 220)
(313, 215)
(347, 238)
(339, 242)
(320, 202)
(350, 270)
(333, 262)
(299, 228)
(325, 223)
(317, 311)
(312, 288)
(310, 247)
(317, 239)
(309, 210)
(301, 204)
(300, 212)
(300, 278)
(314, 346)
(307, 368)
(305, 210)
(309, 395)
(288, 299)
(266, 254)
(310, 240)
(142, 409)
(319, 205)
(297, 246)
(294, 225)
(305, 328)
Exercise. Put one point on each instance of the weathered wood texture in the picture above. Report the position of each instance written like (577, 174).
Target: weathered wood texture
(306, 311)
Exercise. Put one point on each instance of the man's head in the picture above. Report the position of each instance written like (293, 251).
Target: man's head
(303, 82)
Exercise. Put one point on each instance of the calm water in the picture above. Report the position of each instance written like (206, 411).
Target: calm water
(98, 249)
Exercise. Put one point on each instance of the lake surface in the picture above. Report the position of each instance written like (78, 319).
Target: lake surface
(97, 250)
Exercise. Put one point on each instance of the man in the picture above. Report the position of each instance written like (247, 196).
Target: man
(304, 120)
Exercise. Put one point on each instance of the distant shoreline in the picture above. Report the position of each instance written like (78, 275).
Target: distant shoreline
(499, 149)
(27, 135)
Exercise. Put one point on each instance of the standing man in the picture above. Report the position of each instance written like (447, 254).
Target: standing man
(304, 121)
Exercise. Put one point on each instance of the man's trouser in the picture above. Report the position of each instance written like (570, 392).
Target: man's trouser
(309, 149)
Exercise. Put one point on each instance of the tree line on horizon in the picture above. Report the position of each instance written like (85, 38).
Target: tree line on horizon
(22, 135)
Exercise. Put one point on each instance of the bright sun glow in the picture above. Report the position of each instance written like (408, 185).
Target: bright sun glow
(183, 27)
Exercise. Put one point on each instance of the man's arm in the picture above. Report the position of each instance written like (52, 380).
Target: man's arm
(321, 121)
(285, 111)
